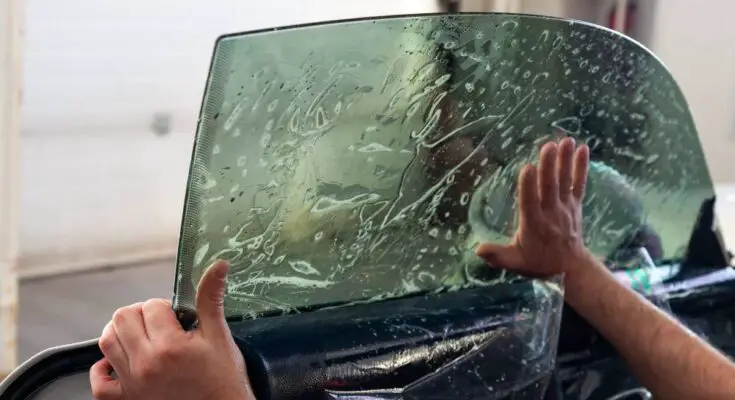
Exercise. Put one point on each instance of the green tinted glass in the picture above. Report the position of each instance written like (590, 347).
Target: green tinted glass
(363, 160)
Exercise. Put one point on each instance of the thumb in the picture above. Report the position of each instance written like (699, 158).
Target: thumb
(104, 385)
(501, 256)
(210, 299)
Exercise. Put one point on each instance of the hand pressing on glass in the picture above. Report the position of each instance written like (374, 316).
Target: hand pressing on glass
(153, 357)
(550, 207)
(663, 354)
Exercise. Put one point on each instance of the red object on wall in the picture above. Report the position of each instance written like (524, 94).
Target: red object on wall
(630, 14)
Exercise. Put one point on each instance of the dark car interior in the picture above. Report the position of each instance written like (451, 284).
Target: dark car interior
(349, 187)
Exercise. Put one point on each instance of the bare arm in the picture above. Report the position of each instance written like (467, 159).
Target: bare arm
(664, 355)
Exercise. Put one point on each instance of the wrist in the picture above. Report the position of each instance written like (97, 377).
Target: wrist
(583, 271)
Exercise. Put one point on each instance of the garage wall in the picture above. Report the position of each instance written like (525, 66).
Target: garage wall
(693, 41)
(98, 185)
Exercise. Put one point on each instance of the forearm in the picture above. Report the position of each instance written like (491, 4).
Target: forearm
(665, 356)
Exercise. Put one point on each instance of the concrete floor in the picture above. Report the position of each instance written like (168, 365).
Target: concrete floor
(70, 308)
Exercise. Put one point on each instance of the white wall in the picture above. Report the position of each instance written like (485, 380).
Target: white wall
(97, 185)
(11, 26)
(695, 42)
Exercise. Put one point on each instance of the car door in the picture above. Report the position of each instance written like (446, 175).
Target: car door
(348, 170)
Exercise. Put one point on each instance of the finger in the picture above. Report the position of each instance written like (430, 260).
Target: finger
(548, 181)
(130, 328)
(501, 256)
(509, 258)
(564, 167)
(160, 320)
(529, 204)
(210, 299)
(113, 351)
(581, 167)
(104, 386)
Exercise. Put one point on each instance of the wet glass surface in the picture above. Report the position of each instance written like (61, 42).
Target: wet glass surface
(365, 160)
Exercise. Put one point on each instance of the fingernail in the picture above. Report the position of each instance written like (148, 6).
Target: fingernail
(221, 268)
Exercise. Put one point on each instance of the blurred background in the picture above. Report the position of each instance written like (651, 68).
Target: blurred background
(98, 109)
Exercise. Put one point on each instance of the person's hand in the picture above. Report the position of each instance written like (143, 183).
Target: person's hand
(549, 235)
(154, 358)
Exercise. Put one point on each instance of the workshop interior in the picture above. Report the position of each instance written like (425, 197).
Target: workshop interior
(347, 158)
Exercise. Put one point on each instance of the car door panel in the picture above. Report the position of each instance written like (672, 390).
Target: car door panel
(366, 352)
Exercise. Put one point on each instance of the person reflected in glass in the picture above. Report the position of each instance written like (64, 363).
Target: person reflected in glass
(472, 155)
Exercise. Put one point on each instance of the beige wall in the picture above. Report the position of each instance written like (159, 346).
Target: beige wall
(10, 85)
(695, 42)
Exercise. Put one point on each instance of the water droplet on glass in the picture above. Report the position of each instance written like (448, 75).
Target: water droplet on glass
(464, 199)
(209, 183)
(265, 139)
(303, 267)
(201, 253)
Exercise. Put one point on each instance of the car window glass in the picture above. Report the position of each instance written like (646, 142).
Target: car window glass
(363, 160)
